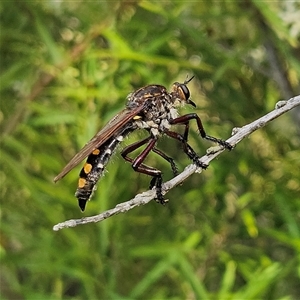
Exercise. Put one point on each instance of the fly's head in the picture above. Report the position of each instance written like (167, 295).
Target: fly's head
(181, 94)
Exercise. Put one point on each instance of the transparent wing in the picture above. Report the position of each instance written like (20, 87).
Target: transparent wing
(101, 137)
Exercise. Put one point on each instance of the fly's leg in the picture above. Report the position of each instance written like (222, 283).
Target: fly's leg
(168, 159)
(138, 144)
(138, 166)
(188, 150)
(185, 121)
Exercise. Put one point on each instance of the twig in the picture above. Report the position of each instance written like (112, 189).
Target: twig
(144, 198)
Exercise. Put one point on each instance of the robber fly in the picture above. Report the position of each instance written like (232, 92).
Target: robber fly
(153, 109)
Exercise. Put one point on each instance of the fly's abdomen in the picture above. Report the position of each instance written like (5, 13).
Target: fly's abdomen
(94, 168)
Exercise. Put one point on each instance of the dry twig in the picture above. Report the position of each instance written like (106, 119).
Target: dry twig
(144, 198)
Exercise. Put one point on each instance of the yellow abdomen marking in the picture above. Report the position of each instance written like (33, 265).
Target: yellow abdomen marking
(87, 168)
(96, 152)
(136, 117)
(81, 183)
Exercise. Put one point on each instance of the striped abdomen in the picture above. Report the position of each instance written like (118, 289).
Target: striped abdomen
(94, 167)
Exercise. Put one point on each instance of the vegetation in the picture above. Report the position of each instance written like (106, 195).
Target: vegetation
(230, 233)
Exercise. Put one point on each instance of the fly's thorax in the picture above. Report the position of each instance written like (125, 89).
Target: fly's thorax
(156, 117)
(159, 107)
(146, 94)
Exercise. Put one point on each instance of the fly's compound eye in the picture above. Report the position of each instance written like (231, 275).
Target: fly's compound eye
(183, 92)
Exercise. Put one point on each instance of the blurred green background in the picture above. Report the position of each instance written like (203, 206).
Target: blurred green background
(232, 232)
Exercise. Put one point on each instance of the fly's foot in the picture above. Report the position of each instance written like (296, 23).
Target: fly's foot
(227, 145)
(157, 182)
(219, 141)
(199, 163)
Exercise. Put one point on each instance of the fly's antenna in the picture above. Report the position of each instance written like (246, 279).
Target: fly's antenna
(188, 80)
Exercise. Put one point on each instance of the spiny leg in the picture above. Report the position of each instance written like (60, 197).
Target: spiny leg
(188, 150)
(138, 144)
(138, 165)
(185, 121)
(168, 159)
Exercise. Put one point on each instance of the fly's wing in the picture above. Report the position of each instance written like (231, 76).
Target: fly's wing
(101, 137)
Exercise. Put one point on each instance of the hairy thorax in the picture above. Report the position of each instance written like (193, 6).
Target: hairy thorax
(159, 108)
